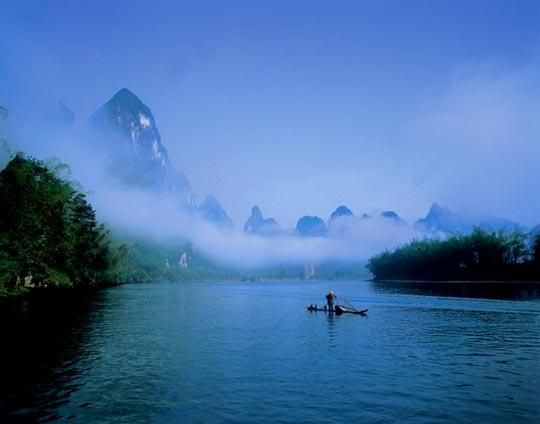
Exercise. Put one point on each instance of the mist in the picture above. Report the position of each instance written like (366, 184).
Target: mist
(297, 121)
(156, 216)
(159, 218)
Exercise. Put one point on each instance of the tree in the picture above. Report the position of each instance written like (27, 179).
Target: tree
(536, 249)
(49, 235)
(478, 255)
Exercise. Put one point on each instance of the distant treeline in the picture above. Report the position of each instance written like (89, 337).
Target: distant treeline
(174, 260)
(480, 255)
(179, 260)
(49, 235)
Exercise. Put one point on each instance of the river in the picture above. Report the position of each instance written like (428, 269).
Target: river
(249, 352)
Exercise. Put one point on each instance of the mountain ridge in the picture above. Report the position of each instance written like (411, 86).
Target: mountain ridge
(442, 219)
(257, 224)
(127, 131)
(311, 226)
(212, 211)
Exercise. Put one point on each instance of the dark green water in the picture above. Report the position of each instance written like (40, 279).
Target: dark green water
(250, 352)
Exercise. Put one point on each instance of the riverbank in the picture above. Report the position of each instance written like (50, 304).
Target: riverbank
(505, 255)
(27, 292)
(455, 281)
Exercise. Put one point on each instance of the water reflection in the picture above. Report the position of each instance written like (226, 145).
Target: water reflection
(188, 353)
(330, 319)
(477, 290)
(42, 338)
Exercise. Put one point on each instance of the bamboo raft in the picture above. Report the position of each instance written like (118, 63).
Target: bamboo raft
(338, 310)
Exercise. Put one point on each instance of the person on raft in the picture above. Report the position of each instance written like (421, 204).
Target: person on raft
(330, 299)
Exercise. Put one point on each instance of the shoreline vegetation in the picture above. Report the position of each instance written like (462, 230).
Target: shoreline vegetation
(50, 239)
(49, 235)
(404, 282)
(497, 256)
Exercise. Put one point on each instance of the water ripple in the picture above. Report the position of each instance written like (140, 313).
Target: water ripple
(249, 352)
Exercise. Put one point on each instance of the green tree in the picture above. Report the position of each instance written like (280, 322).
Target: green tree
(536, 249)
(49, 235)
(478, 255)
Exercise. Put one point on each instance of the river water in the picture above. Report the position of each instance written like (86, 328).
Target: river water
(250, 352)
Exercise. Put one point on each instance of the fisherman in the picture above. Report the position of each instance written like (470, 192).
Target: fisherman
(330, 298)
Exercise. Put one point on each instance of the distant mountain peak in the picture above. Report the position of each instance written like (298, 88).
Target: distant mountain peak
(340, 220)
(341, 211)
(437, 210)
(126, 113)
(125, 94)
(212, 211)
(257, 224)
(210, 200)
(442, 219)
(64, 114)
(126, 100)
(311, 226)
(256, 212)
(126, 129)
(393, 216)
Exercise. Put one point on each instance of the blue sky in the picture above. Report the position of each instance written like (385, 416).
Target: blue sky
(300, 106)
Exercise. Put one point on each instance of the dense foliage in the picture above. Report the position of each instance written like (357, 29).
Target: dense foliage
(49, 236)
(480, 255)
(172, 260)
(179, 260)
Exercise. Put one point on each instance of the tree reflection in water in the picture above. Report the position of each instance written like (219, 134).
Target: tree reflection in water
(469, 289)
(42, 340)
